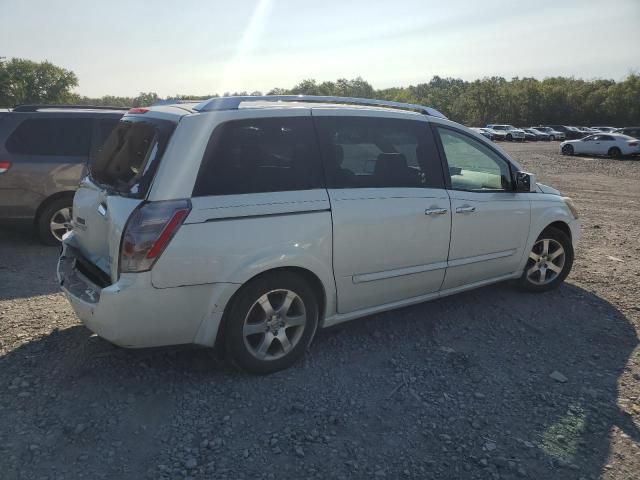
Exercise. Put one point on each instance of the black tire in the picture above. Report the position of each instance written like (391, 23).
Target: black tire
(567, 150)
(240, 351)
(614, 152)
(527, 281)
(45, 218)
(509, 137)
(552, 138)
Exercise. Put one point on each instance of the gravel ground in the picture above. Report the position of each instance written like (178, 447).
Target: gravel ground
(492, 383)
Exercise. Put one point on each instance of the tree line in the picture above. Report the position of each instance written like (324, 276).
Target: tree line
(518, 101)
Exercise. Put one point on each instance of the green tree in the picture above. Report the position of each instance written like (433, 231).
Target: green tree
(25, 81)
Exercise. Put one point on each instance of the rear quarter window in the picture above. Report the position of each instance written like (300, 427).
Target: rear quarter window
(260, 155)
(51, 137)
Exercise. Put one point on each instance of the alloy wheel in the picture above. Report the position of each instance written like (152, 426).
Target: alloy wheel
(274, 324)
(60, 223)
(546, 261)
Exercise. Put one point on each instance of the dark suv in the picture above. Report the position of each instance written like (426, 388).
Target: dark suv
(44, 152)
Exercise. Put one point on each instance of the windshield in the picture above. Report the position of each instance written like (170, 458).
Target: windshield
(130, 155)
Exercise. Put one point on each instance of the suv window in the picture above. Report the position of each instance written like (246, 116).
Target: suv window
(51, 136)
(472, 165)
(365, 152)
(260, 155)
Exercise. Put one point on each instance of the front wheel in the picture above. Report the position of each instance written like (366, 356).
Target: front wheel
(549, 262)
(509, 137)
(271, 322)
(567, 150)
(615, 152)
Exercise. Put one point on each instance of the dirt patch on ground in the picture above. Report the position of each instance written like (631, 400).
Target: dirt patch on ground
(492, 383)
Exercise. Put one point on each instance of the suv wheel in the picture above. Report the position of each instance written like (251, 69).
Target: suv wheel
(549, 263)
(271, 323)
(55, 220)
(509, 137)
(552, 138)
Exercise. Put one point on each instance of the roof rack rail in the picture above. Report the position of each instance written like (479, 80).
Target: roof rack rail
(176, 101)
(233, 103)
(35, 108)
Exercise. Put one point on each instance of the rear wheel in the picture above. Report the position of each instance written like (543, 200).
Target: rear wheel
(567, 150)
(552, 138)
(55, 220)
(271, 322)
(614, 152)
(549, 263)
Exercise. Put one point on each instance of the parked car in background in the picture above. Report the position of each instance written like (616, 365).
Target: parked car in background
(540, 135)
(553, 134)
(511, 133)
(614, 145)
(605, 129)
(485, 132)
(497, 135)
(250, 222)
(631, 131)
(588, 130)
(44, 152)
(529, 135)
(570, 133)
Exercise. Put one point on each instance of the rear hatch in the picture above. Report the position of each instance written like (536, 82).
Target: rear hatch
(119, 180)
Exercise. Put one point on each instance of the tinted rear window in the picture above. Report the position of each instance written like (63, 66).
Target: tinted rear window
(260, 155)
(131, 153)
(51, 136)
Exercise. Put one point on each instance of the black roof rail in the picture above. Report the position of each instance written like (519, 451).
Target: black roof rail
(35, 108)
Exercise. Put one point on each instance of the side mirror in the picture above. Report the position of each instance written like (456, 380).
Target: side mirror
(525, 182)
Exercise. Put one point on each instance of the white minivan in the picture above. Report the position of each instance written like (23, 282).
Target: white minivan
(249, 222)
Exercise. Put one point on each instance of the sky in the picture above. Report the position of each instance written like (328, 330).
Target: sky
(199, 47)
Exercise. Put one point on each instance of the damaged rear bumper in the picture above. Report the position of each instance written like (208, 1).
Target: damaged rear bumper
(131, 312)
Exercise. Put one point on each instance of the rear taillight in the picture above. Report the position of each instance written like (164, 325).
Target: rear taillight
(148, 232)
(633, 144)
(4, 166)
(138, 110)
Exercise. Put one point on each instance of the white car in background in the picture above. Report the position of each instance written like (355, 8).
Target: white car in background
(511, 133)
(614, 145)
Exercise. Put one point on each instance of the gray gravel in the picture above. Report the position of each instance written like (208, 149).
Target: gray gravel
(492, 383)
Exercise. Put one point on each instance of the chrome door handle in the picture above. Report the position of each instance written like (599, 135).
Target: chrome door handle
(435, 211)
(466, 209)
